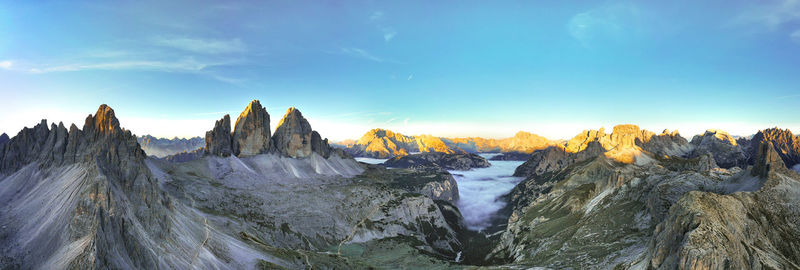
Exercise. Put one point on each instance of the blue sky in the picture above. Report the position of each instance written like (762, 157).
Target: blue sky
(449, 68)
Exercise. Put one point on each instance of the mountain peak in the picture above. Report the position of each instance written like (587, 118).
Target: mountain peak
(291, 115)
(786, 144)
(103, 121)
(218, 140)
(767, 160)
(293, 135)
(251, 133)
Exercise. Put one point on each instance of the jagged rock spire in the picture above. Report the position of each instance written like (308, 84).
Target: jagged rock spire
(218, 140)
(786, 144)
(4, 138)
(251, 135)
(103, 121)
(56, 145)
(767, 160)
(294, 137)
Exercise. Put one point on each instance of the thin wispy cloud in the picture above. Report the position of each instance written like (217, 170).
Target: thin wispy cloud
(183, 65)
(610, 23)
(771, 13)
(795, 36)
(6, 64)
(205, 46)
(388, 34)
(377, 15)
(390, 120)
(773, 16)
(360, 53)
(377, 19)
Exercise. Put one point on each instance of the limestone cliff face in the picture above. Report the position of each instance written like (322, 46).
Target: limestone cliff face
(767, 160)
(722, 146)
(554, 159)
(622, 137)
(251, 134)
(380, 143)
(55, 145)
(4, 138)
(294, 137)
(522, 142)
(219, 140)
(786, 144)
(83, 189)
(743, 230)
(667, 144)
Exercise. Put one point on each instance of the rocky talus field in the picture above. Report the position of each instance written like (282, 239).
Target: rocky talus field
(249, 197)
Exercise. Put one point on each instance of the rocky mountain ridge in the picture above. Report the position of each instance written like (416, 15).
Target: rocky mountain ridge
(101, 189)
(91, 198)
(632, 199)
(162, 147)
(293, 136)
(438, 160)
(381, 143)
(588, 209)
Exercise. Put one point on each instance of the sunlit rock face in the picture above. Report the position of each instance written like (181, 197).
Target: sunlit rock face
(623, 136)
(722, 146)
(218, 140)
(251, 134)
(786, 144)
(522, 142)
(380, 143)
(293, 136)
(669, 213)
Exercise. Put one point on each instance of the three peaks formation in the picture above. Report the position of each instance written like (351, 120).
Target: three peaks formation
(251, 135)
(91, 198)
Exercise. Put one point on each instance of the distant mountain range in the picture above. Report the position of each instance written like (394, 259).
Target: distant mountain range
(161, 147)
(253, 198)
(381, 143)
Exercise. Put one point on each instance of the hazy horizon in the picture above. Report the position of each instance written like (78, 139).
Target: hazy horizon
(445, 69)
(563, 131)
